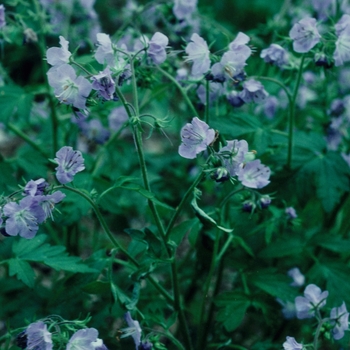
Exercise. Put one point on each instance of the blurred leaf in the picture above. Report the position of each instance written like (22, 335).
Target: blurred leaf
(97, 287)
(232, 309)
(179, 231)
(283, 247)
(23, 271)
(334, 243)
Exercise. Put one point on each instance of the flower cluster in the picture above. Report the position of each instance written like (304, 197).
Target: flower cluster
(232, 160)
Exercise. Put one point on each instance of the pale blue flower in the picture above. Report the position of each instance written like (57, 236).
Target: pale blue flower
(342, 24)
(291, 344)
(198, 53)
(69, 88)
(313, 299)
(254, 174)
(104, 53)
(48, 202)
(253, 91)
(84, 339)
(57, 56)
(104, 84)
(23, 218)
(156, 49)
(38, 337)
(215, 91)
(196, 137)
(2, 16)
(304, 35)
(291, 213)
(70, 162)
(184, 8)
(342, 47)
(133, 330)
(297, 276)
(275, 54)
(340, 319)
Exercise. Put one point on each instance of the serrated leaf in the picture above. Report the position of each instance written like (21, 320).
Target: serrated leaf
(232, 309)
(23, 271)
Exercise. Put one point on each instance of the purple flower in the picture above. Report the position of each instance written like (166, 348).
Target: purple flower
(195, 137)
(104, 84)
(324, 8)
(275, 54)
(342, 24)
(234, 99)
(254, 174)
(291, 344)
(288, 309)
(38, 337)
(239, 45)
(104, 53)
(98, 344)
(304, 35)
(117, 118)
(231, 64)
(133, 329)
(337, 108)
(157, 46)
(2, 16)
(84, 339)
(35, 187)
(94, 130)
(291, 213)
(297, 276)
(23, 218)
(233, 155)
(215, 91)
(48, 202)
(184, 8)
(253, 91)
(270, 106)
(313, 299)
(69, 88)
(342, 47)
(57, 56)
(198, 53)
(340, 319)
(69, 163)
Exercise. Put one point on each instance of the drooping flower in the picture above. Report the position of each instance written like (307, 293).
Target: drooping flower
(69, 88)
(233, 155)
(342, 47)
(297, 276)
(234, 99)
(313, 299)
(304, 35)
(340, 320)
(239, 45)
(104, 84)
(38, 337)
(157, 45)
(57, 56)
(69, 162)
(2, 16)
(196, 137)
(35, 187)
(133, 330)
(198, 53)
(253, 91)
(291, 213)
(275, 54)
(184, 8)
(254, 174)
(291, 344)
(104, 53)
(84, 339)
(23, 218)
(48, 202)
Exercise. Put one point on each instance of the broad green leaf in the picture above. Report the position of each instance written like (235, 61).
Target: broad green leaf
(283, 247)
(179, 231)
(23, 271)
(232, 309)
(273, 283)
(68, 263)
(14, 100)
(334, 243)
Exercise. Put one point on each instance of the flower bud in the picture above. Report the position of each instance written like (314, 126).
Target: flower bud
(220, 175)
(248, 206)
(265, 201)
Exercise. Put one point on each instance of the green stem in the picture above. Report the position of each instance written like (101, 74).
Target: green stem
(114, 241)
(181, 89)
(227, 198)
(207, 91)
(292, 114)
(23, 136)
(201, 336)
(182, 203)
(225, 247)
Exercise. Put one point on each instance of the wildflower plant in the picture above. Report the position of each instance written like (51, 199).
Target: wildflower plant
(171, 179)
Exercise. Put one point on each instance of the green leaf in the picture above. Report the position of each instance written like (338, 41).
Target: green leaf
(13, 99)
(179, 231)
(206, 217)
(273, 283)
(97, 287)
(334, 243)
(23, 271)
(283, 247)
(53, 256)
(232, 309)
